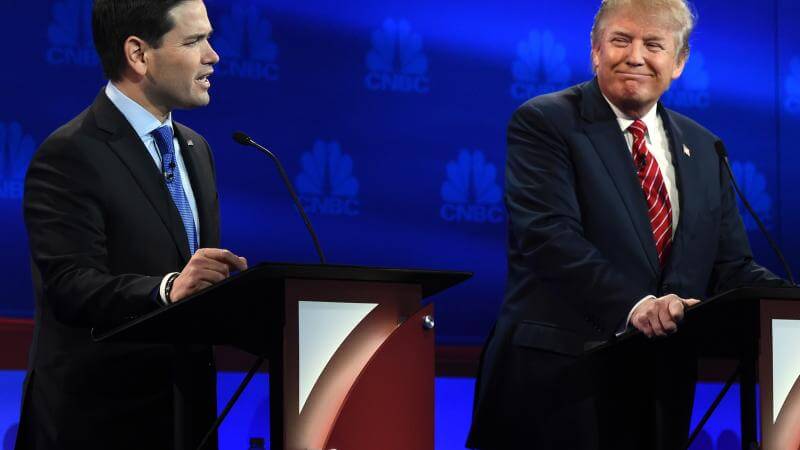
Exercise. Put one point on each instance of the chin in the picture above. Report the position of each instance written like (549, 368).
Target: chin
(196, 102)
(630, 102)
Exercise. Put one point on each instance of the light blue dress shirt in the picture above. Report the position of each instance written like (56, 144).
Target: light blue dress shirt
(144, 123)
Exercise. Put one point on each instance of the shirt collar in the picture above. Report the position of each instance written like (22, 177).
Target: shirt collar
(650, 118)
(142, 121)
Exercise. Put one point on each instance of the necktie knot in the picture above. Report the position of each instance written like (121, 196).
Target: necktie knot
(163, 136)
(638, 129)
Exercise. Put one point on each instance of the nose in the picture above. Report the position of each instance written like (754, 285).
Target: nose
(636, 54)
(211, 56)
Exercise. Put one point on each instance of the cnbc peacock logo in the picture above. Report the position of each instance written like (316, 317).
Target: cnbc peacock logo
(244, 43)
(326, 184)
(16, 150)
(70, 34)
(791, 100)
(540, 67)
(396, 62)
(753, 184)
(690, 91)
(470, 192)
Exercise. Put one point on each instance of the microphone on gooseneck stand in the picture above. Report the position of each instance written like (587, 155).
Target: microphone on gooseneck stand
(723, 154)
(247, 140)
(244, 139)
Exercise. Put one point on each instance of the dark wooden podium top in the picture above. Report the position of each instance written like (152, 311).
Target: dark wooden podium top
(246, 307)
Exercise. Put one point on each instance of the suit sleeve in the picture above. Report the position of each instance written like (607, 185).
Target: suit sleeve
(64, 216)
(546, 227)
(734, 265)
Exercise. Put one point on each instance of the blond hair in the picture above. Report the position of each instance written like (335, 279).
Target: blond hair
(677, 13)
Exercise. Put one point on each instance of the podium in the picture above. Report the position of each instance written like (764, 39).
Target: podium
(739, 324)
(351, 349)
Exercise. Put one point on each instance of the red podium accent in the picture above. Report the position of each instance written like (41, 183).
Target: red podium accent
(390, 406)
(16, 336)
(309, 429)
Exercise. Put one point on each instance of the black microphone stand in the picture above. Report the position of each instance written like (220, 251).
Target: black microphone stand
(244, 139)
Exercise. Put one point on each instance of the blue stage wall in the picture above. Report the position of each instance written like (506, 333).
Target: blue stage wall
(390, 117)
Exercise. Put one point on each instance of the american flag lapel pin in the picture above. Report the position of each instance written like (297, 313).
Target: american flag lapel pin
(686, 151)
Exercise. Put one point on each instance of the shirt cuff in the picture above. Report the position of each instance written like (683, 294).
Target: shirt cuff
(162, 294)
(628, 319)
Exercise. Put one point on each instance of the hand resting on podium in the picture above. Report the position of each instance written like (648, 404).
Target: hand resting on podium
(660, 316)
(207, 267)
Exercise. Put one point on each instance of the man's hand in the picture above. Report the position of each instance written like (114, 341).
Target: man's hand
(660, 316)
(208, 266)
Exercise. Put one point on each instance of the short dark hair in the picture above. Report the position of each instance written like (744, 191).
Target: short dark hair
(113, 21)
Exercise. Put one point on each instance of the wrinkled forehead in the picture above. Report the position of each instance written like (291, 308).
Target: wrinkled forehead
(641, 21)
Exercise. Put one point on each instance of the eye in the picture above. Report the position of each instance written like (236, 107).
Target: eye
(619, 41)
(655, 46)
(195, 40)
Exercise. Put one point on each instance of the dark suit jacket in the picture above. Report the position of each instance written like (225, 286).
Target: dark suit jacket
(581, 252)
(103, 231)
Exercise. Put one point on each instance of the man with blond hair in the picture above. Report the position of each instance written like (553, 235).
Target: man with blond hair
(620, 215)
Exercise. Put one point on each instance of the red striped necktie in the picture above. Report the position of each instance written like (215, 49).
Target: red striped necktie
(655, 191)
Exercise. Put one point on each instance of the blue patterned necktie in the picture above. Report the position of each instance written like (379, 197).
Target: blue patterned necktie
(172, 176)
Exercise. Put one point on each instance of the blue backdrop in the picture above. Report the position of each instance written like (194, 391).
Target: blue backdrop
(390, 118)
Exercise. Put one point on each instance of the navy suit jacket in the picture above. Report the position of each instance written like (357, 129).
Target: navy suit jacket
(580, 246)
(103, 231)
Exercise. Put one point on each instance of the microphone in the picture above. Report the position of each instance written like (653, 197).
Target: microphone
(723, 154)
(246, 140)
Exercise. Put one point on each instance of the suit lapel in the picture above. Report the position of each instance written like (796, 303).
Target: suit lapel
(133, 154)
(603, 131)
(688, 176)
(199, 174)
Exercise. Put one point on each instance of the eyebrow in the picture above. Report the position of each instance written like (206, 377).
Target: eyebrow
(199, 35)
(651, 37)
(620, 33)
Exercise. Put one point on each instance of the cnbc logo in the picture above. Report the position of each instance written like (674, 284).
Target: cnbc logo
(70, 34)
(792, 85)
(244, 43)
(326, 184)
(395, 62)
(754, 187)
(16, 150)
(691, 89)
(470, 192)
(540, 67)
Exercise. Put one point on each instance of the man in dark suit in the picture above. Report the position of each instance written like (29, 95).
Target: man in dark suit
(620, 215)
(122, 215)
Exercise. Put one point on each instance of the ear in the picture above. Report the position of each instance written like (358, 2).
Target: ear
(595, 58)
(683, 57)
(135, 54)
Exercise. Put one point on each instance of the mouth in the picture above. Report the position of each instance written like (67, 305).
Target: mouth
(203, 80)
(634, 76)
